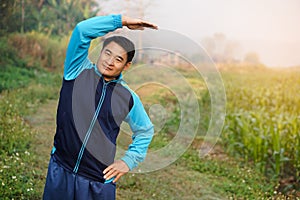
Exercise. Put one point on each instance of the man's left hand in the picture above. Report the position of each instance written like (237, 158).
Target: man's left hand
(117, 169)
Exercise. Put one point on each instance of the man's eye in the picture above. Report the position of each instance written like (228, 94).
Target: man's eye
(107, 53)
(119, 60)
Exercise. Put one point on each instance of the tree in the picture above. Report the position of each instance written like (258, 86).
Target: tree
(5, 12)
(221, 49)
(252, 58)
(49, 16)
(60, 16)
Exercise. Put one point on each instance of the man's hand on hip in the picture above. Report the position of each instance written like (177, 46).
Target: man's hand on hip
(117, 169)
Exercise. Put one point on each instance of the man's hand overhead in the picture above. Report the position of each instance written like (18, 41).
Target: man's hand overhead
(137, 24)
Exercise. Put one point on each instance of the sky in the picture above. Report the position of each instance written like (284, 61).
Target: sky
(271, 28)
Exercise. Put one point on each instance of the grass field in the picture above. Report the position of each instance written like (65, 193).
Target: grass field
(256, 157)
(262, 124)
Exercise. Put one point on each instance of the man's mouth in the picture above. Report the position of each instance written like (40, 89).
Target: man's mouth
(107, 68)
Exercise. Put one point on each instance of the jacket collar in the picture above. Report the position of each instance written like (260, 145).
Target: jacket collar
(117, 80)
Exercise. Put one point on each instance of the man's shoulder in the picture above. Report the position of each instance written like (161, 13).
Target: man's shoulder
(127, 87)
(85, 65)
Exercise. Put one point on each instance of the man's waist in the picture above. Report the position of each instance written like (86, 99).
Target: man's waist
(93, 173)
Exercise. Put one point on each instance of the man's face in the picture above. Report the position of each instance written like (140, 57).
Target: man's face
(112, 61)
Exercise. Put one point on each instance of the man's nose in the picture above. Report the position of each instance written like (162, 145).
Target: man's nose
(110, 60)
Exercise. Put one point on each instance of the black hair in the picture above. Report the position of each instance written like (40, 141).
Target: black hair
(125, 43)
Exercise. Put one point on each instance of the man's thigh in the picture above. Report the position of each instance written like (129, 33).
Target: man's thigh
(62, 184)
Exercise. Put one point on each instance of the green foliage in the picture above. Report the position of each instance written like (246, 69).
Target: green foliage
(57, 17)
(227, 177)
(235, 180)
(10, 20)
(22, 56)
(262, 124)
(38, 49)
(66, 14)
(262, 127)
(18, 177)
(23, 87)
(15, 77)
(13, 70)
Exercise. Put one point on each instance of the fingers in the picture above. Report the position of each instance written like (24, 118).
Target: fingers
(117, 178)
(115, 170)
(107, 169)
(149, 25)
(137, 24)
(135, 27)
(111, 174)
(141, 26)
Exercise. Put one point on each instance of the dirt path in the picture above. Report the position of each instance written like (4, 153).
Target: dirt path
(43, 122)
(173, 182)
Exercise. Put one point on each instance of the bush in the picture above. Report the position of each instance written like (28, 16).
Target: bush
(13, 70)
(39, 49)
(26, 56)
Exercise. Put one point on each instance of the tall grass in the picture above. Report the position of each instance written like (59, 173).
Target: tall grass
(18, 177)
(23, 87)
(263, 121)
(13, 71)
(38, 49)
(25, 56)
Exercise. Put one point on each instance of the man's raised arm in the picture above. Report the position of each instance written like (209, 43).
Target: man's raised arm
(92, 28)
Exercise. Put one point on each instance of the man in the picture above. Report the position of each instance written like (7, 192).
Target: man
(93, 103)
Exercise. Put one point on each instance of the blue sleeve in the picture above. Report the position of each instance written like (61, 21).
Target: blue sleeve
(143, 131)
(84, 32)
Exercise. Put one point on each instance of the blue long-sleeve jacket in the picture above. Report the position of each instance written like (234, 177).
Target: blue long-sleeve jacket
(91, 110)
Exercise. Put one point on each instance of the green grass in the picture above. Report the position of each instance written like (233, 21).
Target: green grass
(18, 177)
(24, 87)
(262, 124)
(254, 110)
(193, 178)
(188, 178)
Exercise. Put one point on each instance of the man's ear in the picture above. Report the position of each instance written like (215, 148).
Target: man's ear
(127, 65)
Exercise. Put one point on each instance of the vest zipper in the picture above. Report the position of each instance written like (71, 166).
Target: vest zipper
(89, 131)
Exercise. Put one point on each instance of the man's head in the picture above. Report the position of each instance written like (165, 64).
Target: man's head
(116, 55)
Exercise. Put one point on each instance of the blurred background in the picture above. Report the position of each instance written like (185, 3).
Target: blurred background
(255, 46)
(229, 30)
(260, 31)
